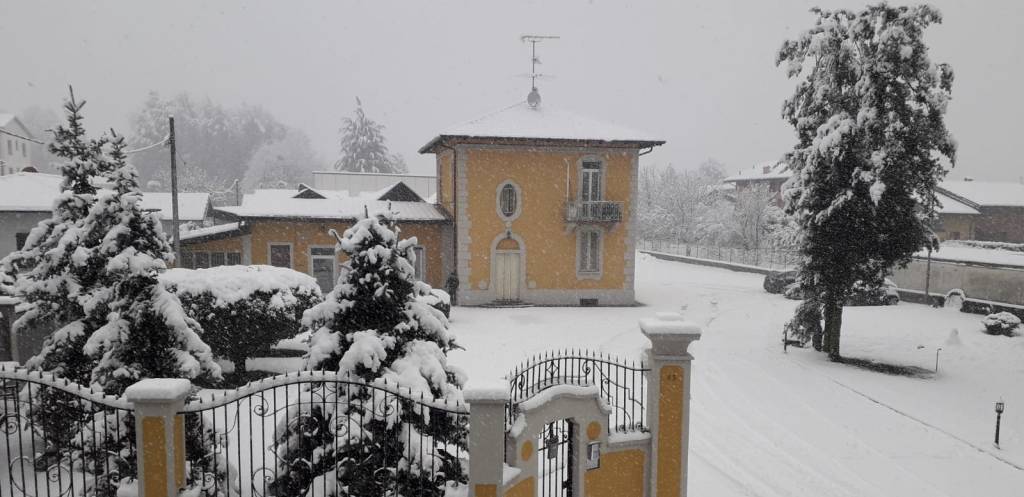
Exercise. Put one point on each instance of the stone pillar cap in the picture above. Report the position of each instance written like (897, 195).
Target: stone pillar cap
(670, 334)
(158, 390)
(494, 391)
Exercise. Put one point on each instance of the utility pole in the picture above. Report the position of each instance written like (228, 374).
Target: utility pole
(174, 194)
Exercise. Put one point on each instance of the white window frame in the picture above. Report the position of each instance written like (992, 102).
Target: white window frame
(601, 171)
(334, 260)
(291, 253)
(519, 200)
(421, 262)
(582, 237)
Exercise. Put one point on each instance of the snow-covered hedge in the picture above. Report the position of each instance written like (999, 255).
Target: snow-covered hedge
(244, 310)
(1001, 323)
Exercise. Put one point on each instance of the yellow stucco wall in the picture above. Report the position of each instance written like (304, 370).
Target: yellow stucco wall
(222, 245)
(670, 431)
(550, 250)
(525, 488)
(621, 475)
(305, 234)
(445, 191)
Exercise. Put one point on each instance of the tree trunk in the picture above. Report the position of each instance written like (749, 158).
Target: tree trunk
(239, 363)
(833, 322)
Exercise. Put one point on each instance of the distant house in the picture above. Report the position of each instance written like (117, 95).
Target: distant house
(290, 228)
(968, 210)
(1000, 206)
(26, 198)
(15, 145)
(772, 174)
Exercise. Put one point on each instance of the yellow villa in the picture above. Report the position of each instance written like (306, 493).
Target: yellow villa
(532, 205)
(542, 203)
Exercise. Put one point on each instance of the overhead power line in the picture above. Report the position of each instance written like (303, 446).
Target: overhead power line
(4, 131)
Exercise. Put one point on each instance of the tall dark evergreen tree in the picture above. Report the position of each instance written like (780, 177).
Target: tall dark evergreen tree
(871, 141)
(378, 327)
(363, 148)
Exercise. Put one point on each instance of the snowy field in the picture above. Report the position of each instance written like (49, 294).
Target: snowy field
(772, 424)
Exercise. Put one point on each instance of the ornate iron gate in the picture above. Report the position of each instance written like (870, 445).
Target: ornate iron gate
(556, 459)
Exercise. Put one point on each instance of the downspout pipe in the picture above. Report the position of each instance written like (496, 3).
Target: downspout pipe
(455, 206)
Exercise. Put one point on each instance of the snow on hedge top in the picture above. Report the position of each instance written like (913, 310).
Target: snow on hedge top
(962, 252)
(543, 122)
(272, 203)
(988, 193)
(230, 284)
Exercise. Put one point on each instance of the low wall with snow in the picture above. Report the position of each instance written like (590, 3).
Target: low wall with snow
(979, 281)
(707, 262)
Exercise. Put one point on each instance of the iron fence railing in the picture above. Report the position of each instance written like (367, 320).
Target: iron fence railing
(61, 439)
(767, 258)
(321, 433)
(593, 211)
(623, 384)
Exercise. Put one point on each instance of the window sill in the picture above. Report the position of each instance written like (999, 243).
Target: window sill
(589, 275)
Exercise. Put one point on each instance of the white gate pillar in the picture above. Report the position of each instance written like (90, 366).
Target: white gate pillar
(486, 438)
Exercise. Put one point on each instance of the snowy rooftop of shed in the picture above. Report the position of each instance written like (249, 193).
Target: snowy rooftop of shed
(282, 203)
(191, 206)
(762, 171)
(521, 121)
(33, 192)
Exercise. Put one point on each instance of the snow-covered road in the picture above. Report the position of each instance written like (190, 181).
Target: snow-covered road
(772, 424)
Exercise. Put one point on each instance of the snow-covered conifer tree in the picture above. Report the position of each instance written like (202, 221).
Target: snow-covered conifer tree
(374, 326)
(363, 149)
(868, 111)
(146, 333)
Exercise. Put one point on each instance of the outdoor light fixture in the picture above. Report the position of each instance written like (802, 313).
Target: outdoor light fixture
(594, 455)
(1000, 405)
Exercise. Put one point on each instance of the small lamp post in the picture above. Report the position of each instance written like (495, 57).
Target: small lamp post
(937, 350)
(1000, 405)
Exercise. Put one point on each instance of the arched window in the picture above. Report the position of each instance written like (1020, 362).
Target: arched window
(508, 201)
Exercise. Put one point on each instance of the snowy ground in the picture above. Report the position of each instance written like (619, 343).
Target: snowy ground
(772, 424)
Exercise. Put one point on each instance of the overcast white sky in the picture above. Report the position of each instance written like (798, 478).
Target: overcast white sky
(699, 73)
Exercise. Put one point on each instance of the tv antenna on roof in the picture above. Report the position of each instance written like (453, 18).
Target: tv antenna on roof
(534, 97)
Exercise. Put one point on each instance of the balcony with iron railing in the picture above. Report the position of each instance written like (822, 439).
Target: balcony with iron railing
(593, 212)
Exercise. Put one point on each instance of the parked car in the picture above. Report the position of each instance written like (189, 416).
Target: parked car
(777, 281)
(785, 282)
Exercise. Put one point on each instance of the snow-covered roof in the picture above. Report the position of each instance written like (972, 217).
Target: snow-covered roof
(280, 203)
(211, 231)
(951, 205)
(192, 206)
(28, 192)
(35, 192)
(762, 172)
(988, 193)
(9, 120)
(521, 121)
